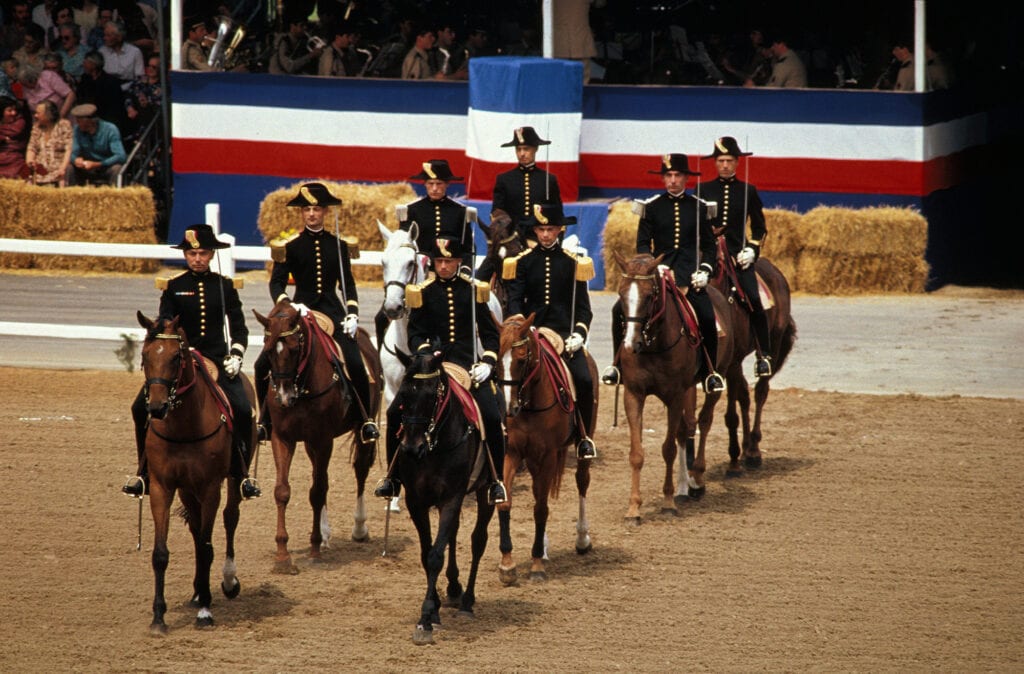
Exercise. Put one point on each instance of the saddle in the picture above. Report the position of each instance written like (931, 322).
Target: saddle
(207, 369)
(460, 383)
(691, 327)
(331, 348)
(763, 291)
(562, 376)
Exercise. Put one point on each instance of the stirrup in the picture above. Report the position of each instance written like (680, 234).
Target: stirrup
(134, 486)
(763, 367)
(262, 432)
(611, 376)
(714, 383)
(387, 488)
(369, 431)
(586, 450)
(496, 493)
(250, 488)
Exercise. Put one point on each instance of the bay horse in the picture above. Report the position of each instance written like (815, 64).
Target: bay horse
(440, 460)
(188, 451)
(782, 329)
(313, 403)
(540, 430)
(659, 358)
(503, 241)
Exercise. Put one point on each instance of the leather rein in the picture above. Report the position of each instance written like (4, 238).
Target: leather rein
(312, 332)
(189, 363)
(547, 357)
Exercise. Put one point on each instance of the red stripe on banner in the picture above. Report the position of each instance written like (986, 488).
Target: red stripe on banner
(480, 180)
(291, 160)
(769, 174)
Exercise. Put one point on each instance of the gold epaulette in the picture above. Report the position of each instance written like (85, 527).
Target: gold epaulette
(414, 294)
(584, 268)
(508, 268)
(353, 246)
(163, 281)
(238, 283)
(483, 291)
(278, 243)
(639, 206)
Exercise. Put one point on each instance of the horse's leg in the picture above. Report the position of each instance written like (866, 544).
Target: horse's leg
(204, 509)
(283, 453)
(680, 424)
(484, 512)
(583, 544)
(696, 472)
(319, 452)
(365, 454)
(752, 453)
(431, 561)
(541, 488)
(633, 403)
(453, 594)
(737, 395)
(507, 565)
(160, 505)
(230, 585)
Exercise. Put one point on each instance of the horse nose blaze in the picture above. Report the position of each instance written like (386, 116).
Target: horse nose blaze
(632, 307)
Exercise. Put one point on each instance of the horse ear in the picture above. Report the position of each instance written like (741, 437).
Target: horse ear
(530, 319)
(619, 260)
(403, 358)
(143, 321)
(263, 320)
(487, 229)
(658, 259)
(384, 232)
(414, 231)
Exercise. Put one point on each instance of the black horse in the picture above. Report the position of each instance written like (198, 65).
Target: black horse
(440, 460)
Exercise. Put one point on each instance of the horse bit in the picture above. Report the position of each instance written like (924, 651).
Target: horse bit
(173, 399)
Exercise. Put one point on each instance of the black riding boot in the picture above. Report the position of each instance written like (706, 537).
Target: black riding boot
(585, 410)
(496, 492)
(711, 381)
(389, 486)
(611, 374)
(241, 456)
(368, 430)
(759, 322)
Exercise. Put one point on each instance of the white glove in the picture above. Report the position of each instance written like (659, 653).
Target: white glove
(699, 279)
(301, 308)
(662, 270)
(233, 365)
(480, 372)
(745, 257)
(573, 342)
(350, 325)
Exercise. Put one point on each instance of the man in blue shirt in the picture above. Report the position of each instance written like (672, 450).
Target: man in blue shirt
(98, 153)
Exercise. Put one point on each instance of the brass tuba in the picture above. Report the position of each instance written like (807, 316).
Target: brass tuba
(229, 36)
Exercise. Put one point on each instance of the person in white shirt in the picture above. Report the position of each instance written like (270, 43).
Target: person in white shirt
(121, 59)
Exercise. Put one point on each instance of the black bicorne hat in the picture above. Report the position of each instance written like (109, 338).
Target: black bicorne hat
(448, 247)
(547, 214)
(675, 162)
(314, 194)
(436, 169)
(200, 236)
(726, 145)
(525, 135)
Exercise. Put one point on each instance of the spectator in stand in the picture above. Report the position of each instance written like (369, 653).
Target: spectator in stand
(42, 16)
(193, 52)
(104, 16)
(13, 138)
(338, 59)
(292, 55)
(32, 50)
(417, 64)
(452, 64)
(72, 51)
(132, 19)
(788, 71)
(97, 153)
(86, 14)
(55, 64)
(49, 146)
(8, 79)
(45, 85)
(121, 59)
(144, 97)
(12, 36)
(102, 90)
(61, 15)
(573, 39)
(935, 71)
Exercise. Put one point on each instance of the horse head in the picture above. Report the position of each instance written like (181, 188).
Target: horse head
(165, 360)
(285, 343)
(503, 240)
(402, 264)
(640, 295)
(422, 393)
(518, 353)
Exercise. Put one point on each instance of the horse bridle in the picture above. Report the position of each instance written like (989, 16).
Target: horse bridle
(173, 393)
(441, 398)
(305, 350)
(411, 274)
(647, 321)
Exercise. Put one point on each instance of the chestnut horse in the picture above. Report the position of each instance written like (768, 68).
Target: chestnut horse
(313, 403)
(782, 329)
(188, 450)
(659, 358)
(540, 430)
(440, 460)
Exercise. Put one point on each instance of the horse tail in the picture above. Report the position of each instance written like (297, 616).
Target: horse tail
(183, 513)
(560, 458)
(785, 344)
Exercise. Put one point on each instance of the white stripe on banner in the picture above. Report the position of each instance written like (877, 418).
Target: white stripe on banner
(488, 130)
(821, 141)
(318, 127)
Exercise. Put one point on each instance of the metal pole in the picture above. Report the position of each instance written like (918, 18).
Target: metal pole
(746, 189)
(547, 15)
(341, 267)
(920, 58)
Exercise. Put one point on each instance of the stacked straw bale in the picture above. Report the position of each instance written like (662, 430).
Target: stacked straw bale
(101, 214)
(870, 250)
(782, 245)
(362, 206)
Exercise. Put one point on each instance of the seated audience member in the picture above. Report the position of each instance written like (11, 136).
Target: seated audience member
(55, 64)
(86, 14)
(61, 15)
(72, 51)
(9, 78)
(102, 90)
(338, 59)
(42, 16)
(45, 85)
(95, 38)
(292, 55)
(121, 59)
(32, 51)
(12, 31)
(144, 97)
(97, 153)
(49, 147)
(418, 63)
(194, 55)
(13, 138)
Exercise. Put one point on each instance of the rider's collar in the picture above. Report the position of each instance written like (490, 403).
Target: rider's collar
(310, 230)
(678, 195)
(528, 167)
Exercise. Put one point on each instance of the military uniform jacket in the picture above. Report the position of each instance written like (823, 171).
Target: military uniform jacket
(445, 217)
(312, 260)
(445, 314)
(196, 299)
(669, 225)
(544, 285)
(516, 191)
(729, 194)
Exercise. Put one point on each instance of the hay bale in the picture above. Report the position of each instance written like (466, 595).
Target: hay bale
(620, 235)
(362, 206)
(98, 214)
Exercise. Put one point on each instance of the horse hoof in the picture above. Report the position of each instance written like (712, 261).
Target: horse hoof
(285, 567)
(752, 461)
(674, 512)
(680, 500)
(507, 576)
(422, 636)
(733, 471)
(584, 550)
(632, 522)
(204, 623)
(697, 493)
(231, 592)
(466, 614)
(361, 536)
(538, 576)
(453, 602)
(158, 629)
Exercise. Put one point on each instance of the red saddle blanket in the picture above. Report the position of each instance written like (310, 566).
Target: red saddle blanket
(465, 399)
